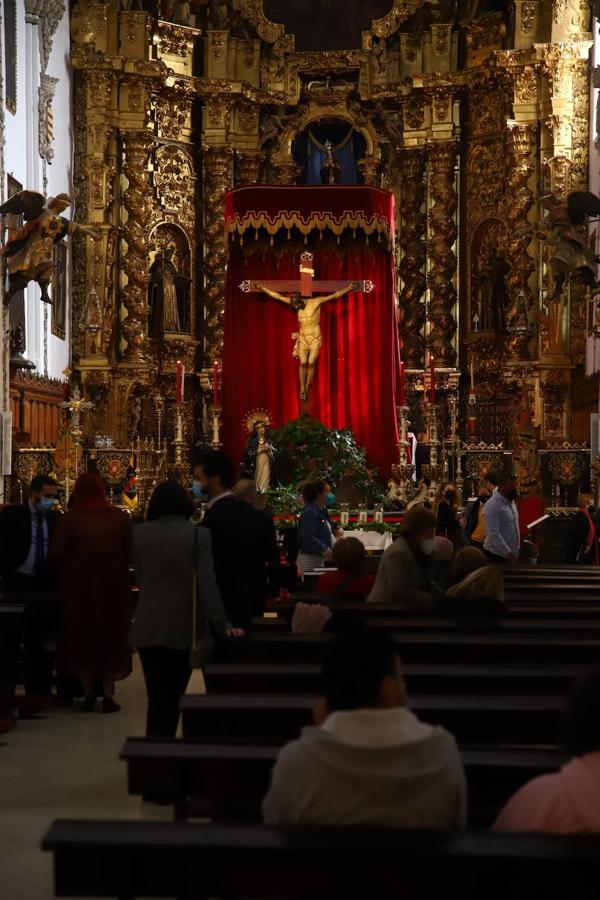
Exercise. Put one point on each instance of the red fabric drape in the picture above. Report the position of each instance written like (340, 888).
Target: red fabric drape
(355, 378)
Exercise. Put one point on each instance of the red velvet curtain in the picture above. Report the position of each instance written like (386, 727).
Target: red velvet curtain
(355, 379)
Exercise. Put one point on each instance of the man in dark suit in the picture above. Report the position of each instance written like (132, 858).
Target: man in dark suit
(241, 542)
(25, 536)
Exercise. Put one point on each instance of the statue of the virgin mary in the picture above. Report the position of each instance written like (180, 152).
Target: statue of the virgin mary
(259, 456)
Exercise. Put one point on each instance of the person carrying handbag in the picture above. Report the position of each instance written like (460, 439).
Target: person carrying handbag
(178, 603)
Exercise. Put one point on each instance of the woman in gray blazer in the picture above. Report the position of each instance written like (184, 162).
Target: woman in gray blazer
(165, 550)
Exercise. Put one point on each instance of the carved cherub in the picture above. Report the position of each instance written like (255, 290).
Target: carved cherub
(385, 119)
(572, 256)
(30, 249)
(271, 127)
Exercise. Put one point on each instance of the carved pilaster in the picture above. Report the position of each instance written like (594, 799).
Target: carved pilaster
(247, 168)
(286, 172)
(519, 317)
(368, 168)
(218, 176)
(413, 256)
(135, 262)
(442, 236)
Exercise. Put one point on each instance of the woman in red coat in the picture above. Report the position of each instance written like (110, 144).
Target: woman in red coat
(92, 548)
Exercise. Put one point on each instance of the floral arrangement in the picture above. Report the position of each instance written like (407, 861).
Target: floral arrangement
(307, 449)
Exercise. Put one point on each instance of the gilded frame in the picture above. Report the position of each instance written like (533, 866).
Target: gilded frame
(59, 291)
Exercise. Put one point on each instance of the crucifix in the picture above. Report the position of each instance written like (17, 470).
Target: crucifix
(299, 297)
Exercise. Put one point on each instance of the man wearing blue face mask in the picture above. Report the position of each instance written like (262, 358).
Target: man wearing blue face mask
(25, 536)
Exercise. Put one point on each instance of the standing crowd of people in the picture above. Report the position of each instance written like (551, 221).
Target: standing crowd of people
(195, 583)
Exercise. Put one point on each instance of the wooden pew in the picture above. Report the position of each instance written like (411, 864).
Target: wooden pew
(12, 624)
(305, 678)
(515, 610)
(491, 648)
(274, 718)
(404, 624)
(127, 859)
(219, 781)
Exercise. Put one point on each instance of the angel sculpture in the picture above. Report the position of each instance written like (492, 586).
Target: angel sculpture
(29, 250)
(572, 255)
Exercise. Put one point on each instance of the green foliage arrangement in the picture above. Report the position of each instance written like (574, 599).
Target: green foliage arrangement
(308, 450)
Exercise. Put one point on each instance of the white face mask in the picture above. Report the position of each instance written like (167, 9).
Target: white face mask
(428, 546)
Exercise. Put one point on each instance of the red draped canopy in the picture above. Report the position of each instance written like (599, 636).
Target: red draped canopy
(355, 380)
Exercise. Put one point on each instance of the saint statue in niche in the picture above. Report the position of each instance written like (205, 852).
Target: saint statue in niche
(168, 296)
(493, 292)
(259, 456)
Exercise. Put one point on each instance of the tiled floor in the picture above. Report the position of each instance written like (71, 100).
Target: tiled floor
(64, 764)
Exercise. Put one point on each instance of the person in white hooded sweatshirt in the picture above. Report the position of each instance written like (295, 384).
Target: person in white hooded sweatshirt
(368, 760)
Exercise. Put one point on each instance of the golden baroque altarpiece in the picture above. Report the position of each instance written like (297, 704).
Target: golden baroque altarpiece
(470, 120)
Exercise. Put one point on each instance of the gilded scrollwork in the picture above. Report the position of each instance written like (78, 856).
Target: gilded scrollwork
(174, 182)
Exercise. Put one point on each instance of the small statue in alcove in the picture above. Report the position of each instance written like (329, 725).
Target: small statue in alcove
(136, 416)
(493, 292)
(330, 170)
(168, 296)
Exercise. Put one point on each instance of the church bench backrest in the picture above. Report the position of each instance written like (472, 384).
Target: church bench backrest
(305, 678)
(127, 859)
(272, 718)
(229, 781)
(548, 609)
(418, 647)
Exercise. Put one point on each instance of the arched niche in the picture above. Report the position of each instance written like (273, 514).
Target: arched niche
(163, 237)
(348, 143)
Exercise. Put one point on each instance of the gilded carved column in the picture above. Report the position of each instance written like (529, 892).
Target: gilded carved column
(521, 143)
(443, 262)
(218, 176)
(413, 257)
(135, 262)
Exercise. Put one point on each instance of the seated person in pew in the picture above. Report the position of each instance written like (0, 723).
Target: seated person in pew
(569, 800)
(348, 582)
(368, 760)
(467, 560)
(479, 595)
(439, 569)
(403, 571)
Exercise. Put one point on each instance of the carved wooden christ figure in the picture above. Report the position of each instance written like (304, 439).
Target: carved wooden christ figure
(308, 338)
(298, 297)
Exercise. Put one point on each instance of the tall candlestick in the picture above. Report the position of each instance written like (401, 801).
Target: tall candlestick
(402, 391)
(180, 378)
(432, 379)
(472, 375)
(215, 383)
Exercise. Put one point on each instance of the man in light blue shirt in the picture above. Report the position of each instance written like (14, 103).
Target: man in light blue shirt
(501, 517)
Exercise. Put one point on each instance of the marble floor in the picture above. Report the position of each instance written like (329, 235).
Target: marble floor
(63, 764)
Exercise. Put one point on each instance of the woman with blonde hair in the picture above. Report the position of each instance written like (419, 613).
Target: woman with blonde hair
(479, 595)
(581, 544)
